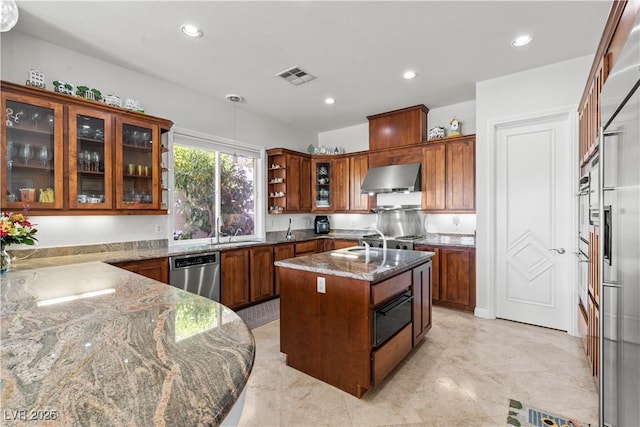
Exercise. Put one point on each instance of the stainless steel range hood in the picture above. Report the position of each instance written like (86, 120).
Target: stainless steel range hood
(392, 179)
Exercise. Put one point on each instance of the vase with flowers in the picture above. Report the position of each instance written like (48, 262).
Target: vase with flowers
(15, 228)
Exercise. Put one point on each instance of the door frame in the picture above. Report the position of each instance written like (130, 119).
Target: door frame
(569, 116)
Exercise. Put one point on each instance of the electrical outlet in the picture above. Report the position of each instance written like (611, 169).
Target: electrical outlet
(321, 285)
(158, 228)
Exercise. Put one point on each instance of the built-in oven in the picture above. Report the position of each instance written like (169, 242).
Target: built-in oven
(391, 317)
(594, 192)
(584, 209)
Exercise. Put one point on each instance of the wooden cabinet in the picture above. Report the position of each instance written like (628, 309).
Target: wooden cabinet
(395, 156)
(358, 167)
(234, 278)
(593, 285)
(70, 154)
(342, 243)
(288, 181)
(281, 251)
(399, 127)
(448, 173)
(155, 268)
(453, 276)
(261, 286)
(458, 278)
(330, 184)
(422, 298)
(306, 247)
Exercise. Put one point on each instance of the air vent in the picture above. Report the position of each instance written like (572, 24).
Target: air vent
(296, 76)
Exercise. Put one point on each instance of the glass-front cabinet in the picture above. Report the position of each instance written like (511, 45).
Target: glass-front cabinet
(90, 153)
(32, 153)
(137, 168)
(62, 152)
(322, 184)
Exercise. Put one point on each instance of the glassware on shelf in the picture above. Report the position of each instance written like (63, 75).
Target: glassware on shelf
(87, 160)
(26, 153)
(44, 156)
(95, 157)
(35, 118)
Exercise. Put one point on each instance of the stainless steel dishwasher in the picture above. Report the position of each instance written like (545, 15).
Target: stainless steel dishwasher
(197, 273)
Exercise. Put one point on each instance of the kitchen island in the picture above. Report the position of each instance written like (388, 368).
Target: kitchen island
(92, 344)
(349, 316)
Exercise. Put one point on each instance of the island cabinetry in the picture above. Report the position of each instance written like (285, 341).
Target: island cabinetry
(448, 174)
(435, 270)
(421, 279)
(155, 268)
(334, 338)
(288, 182)
(281, 251)
(399, 127)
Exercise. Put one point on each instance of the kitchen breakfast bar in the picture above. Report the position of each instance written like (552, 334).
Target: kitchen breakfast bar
(348, 317)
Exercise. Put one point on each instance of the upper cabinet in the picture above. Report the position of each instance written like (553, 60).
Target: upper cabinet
(32, 152)
(448, 174)
(399, 127)
(358, 166)
(330, 184)
(112, 157)
(288, 181)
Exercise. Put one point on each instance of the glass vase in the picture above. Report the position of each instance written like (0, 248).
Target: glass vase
(5, 260)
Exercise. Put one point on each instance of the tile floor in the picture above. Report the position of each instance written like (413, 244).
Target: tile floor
(462, 374)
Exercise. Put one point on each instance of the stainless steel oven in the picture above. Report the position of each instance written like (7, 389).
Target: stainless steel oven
(584, 213)
(391, 317)
(594, 192)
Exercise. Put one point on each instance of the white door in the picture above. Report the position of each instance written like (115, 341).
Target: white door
(534, 208)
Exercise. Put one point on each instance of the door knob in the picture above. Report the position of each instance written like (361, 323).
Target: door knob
(560, 251)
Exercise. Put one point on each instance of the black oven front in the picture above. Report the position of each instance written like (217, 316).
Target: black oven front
(391, 317)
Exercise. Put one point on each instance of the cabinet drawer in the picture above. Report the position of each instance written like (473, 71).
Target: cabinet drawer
(389, 355)
(305, 248)
(390, 287)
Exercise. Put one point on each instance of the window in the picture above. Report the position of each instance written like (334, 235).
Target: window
(214, 182)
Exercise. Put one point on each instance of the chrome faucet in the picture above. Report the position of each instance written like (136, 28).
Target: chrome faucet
(289, 234)
(235, 234)
(384, 238)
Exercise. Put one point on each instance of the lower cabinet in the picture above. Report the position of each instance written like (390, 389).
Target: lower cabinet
(342, 243)
(282, 251)
(155, 268)
(308, 247)
(234, 278)
(261, 286)
(453, 276)
(421, 301)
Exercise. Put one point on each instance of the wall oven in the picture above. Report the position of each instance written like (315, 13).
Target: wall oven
(391, 317)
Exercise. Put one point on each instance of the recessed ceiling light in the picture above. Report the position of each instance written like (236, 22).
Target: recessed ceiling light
(191, 30)
(521, 40)
(329, 101)
(408, 75)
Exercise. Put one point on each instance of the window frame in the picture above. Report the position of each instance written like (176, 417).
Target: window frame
(218, 144)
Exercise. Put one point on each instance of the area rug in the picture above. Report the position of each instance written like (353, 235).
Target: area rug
(523, 415)
(260, 314)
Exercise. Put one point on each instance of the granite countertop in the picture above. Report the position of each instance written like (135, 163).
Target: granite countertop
(140, 353)
(461, 240)
(353, 262)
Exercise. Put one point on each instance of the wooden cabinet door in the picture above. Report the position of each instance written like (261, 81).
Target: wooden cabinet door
(306, 248)
(458, 278)
(358, 166)
(395, 156)
(399, 127)
(293, 182)
(261, 266)
(433, 177)
(156, 268)
(305, 184)
(234, 278)
(421, 301)
(435, 270)
(283, 251)
(344, 243)
(460, 184)
(340, 184)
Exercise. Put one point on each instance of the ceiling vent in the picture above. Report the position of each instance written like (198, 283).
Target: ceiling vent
(296, 76)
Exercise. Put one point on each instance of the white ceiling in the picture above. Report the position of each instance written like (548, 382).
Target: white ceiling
(357, 50)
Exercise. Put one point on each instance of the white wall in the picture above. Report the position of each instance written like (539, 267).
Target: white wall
(530, 92)
(186, 108)
(465, 112)
(352, 138)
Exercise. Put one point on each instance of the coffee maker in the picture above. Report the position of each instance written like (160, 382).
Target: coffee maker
(321, 224)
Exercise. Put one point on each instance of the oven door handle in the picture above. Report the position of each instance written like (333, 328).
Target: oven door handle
(390, 306)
